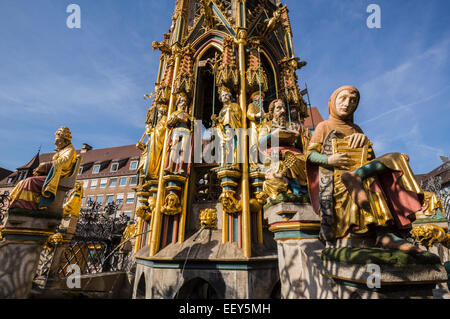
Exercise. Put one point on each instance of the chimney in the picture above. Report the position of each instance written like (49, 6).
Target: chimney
(85, 148)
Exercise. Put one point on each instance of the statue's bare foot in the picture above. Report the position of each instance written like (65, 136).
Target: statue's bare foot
(390, 241)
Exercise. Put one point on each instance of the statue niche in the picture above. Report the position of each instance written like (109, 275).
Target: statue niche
(285, 172)
(155, 129)
(227, 123)
(180, 129)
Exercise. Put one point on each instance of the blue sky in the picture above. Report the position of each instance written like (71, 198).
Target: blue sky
(93, 79)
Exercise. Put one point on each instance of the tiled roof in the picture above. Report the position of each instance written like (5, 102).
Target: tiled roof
(31, 164)
(442, 171)
(4, 173)
(316, 118)
(106, 157)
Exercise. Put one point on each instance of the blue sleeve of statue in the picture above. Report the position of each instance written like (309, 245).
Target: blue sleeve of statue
(46, 199)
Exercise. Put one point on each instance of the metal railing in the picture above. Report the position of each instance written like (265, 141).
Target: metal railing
(4, 205)
(94, 246)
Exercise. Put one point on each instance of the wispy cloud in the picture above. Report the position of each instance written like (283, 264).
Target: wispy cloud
(403, 107)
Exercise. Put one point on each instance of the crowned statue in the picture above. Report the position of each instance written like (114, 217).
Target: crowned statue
(179, 126)
(155, 129)
(39, 191)
(227, 123)
(355, 192)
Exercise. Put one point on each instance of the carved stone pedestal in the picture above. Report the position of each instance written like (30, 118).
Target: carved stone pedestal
(296, 230)
(304, 274)
(51, 257)
(358, 281)
(24, 236)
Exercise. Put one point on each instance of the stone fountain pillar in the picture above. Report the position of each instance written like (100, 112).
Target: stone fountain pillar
(296, 230)
(23, 239)
(53, 253)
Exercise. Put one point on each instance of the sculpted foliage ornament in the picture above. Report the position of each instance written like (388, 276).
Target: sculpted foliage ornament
(256, 76)
(54, 240)
(289, 84)
(143, 212)
(429, 234)
(185, 80)
(227, 73)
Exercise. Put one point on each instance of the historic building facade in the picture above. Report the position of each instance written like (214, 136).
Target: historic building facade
(109, 175)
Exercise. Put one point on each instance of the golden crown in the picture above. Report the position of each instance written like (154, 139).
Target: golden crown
(224, 89)
(64, 132)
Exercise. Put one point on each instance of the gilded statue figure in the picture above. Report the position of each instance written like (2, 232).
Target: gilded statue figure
(127, 236)
(255, 114)
(227, 122)
(353, 191)
(287, 167)
(72, 206)
(432, 206)
(276, 181)
(155, 129)
(179, 124)
(145, 211)
(39, 191)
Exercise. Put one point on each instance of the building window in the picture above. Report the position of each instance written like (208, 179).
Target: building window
(133, 165)
(90, 199)
(96, 169)
(133, 180)
(103, 182)
(113, 182)
(94, 184)
(82, 201)
(123, 181)
(80, 171)
(119, 199)
(114, 167)
(127, 213)
(130, 198)
(109, 199)
(85, 184)
(9, 180)
(100, 199)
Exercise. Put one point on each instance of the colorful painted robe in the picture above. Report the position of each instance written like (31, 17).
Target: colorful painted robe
(38, 192)
(395, 196)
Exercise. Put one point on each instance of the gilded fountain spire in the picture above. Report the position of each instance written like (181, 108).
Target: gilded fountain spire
(244, 48)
